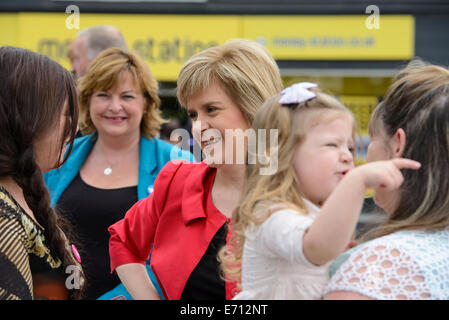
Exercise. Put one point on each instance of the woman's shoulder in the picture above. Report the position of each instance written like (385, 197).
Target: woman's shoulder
(166, 150)
(12, 229)
(13, 251)
(80, 149)
(409, 240)
(87, 140)
(21, 238)
(274, 208)
(182, 170)
(385, 267)
(279, 215)
(372, 247)
(10, 212)
(183, 166)
(7, 202)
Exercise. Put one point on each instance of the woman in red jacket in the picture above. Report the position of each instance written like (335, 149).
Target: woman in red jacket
(185, 220)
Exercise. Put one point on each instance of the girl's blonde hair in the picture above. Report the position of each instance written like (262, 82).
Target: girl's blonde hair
(244, 69)
(292, 122)
(418, 102)
(103, 74)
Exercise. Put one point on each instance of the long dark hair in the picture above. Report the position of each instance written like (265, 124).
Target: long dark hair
(33, 92)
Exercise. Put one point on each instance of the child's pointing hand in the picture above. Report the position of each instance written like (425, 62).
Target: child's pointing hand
(386, 174)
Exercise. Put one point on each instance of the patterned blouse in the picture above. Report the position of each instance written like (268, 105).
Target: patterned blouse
(409, 264)
(20, 236)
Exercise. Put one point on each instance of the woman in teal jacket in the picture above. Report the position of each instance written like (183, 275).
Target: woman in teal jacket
(114, 165)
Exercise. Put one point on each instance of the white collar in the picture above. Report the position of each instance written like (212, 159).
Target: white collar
(311, 207)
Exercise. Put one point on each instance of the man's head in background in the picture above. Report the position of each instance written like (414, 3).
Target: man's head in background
(89, 43)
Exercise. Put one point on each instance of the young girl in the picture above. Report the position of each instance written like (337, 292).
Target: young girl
(290, 225)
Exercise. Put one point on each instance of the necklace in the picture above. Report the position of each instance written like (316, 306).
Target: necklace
(108, 170)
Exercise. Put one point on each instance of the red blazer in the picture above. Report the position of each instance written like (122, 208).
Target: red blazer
(179, 219)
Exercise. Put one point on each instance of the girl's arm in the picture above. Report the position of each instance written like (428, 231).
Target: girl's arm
(333, 227)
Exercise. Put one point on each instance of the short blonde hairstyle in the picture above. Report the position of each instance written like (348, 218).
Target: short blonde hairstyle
(244, 69)
(103, 74)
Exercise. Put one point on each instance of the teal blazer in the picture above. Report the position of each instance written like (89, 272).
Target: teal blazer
(154, 154)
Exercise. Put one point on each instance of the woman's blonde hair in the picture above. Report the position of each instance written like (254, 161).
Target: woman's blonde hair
(262, 191)
(244, 69)
(103, 74)
(418, 102)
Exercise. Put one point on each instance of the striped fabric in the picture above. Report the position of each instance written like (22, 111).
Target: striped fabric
(20, 236)
(15, 274)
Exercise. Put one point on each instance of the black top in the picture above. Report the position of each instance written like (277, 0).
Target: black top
(91, 211)
(205, 282)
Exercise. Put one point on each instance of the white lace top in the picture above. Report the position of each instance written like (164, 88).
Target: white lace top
(403, 265)
(273, 263)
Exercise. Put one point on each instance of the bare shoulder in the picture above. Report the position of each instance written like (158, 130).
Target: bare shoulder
(345, 295)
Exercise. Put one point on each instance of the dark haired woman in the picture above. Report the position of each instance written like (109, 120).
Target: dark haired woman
(406, 257)
(38, 118)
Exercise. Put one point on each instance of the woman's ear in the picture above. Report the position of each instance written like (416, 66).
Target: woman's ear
(397, 143)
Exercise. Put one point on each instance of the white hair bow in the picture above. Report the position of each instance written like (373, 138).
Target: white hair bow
(298, 93)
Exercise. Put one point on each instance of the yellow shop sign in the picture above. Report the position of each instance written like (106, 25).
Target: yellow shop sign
(333, 37)
(166, 41)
